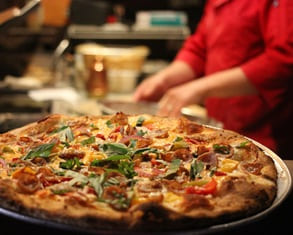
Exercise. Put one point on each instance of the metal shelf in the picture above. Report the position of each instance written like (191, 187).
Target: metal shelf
(155, 33)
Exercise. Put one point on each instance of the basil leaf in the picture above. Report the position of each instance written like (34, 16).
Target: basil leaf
(43, 151)
(88, 141)
(173, 167)
(196, 168)
(140, 121)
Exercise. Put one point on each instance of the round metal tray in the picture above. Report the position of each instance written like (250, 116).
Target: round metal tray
(284, 187)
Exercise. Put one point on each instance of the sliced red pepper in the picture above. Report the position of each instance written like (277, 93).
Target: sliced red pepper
(208, 188)
(101, 136)
(192, 141)
(220, 173)
(118, 129)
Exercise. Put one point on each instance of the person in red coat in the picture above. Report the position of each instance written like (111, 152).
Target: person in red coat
(239, 64)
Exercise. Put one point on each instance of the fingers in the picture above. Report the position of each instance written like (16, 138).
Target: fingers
(150, 89)
(169, 105)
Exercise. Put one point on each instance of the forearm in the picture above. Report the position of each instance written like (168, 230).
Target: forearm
(232, 82)
(178, 72)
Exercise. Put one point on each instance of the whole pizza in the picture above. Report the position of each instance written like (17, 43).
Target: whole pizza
(137, 172)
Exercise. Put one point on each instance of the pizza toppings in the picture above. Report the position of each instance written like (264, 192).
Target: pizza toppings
(123, 161)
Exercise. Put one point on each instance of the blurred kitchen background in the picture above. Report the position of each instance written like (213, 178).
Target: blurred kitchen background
(82, 57)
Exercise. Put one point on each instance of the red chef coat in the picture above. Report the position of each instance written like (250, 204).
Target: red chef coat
(256, 35)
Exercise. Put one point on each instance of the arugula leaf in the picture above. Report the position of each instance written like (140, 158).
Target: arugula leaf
(242, 145)
(97, 183)
(196, 168)
(109, 124)
(70, 164)
(141, 133)
(58, 130)
(178, 138)
(43, 151)
(77, 178)
(173, 167)
(112, 181)
(140, 121)
(132, 143)
(115, 148)
(212, 172)
(145, 150)
(102, 162)
(65, 133)
(223, 149)
(88, 141)
(127, 169)
(93, 126)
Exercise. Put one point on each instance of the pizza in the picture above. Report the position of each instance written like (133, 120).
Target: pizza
(133, 172)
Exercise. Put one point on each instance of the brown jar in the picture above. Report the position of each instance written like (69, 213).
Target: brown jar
(97, 85)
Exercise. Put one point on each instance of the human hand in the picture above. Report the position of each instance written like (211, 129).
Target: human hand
(151, 89)
(179, 97)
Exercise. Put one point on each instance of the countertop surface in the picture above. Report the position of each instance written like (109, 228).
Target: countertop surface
(277, 221)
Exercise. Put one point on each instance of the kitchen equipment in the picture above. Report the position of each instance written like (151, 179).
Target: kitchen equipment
(15, 14)
(123, 64)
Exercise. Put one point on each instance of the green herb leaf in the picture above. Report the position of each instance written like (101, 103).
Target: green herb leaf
(77, 178)
(88, 141)
(223, 149)
(66, 144)
(43, 151)
(65, 134)
(180, 144)
(115, 148)
(102, 162)
(145, 150)
(97, 183)
(178, 138)
(58, 130)
(173, 167)
(242, 145)
(196, 168)
(127, 169)
(141, 133)
(70, 164)
(140, 121)
(7, 149)
(109, 124)
(93, 126)
(132, 143)
(212, 172)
